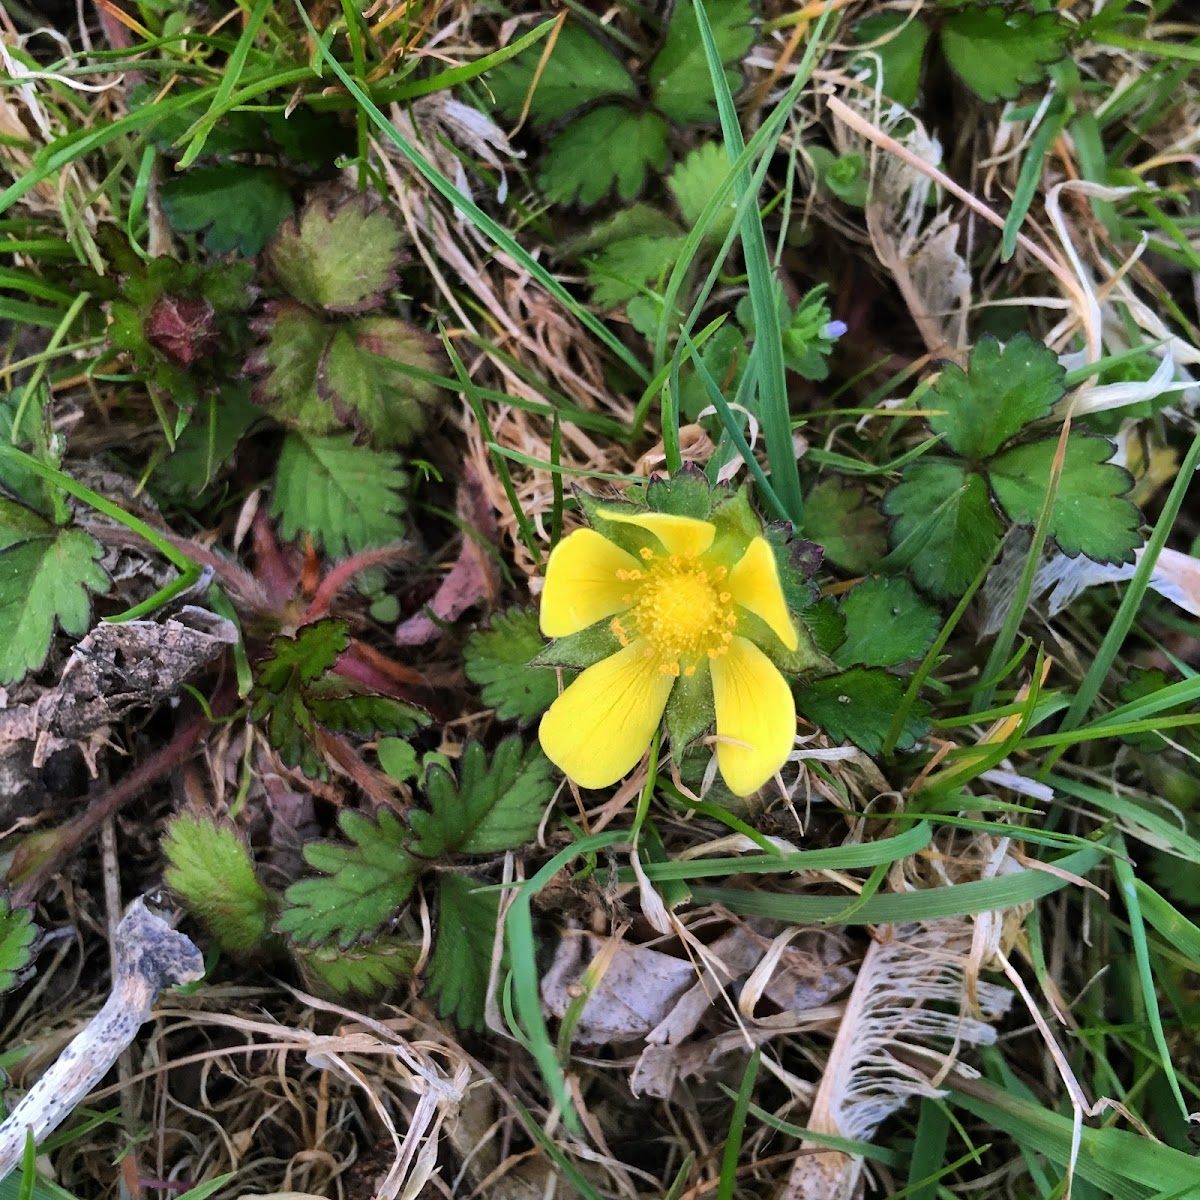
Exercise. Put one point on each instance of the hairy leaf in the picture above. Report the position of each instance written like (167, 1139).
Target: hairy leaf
(360, 970)
(457, 974)
(494, 807)
(693, 182)
(946, 528)
(365, 884)
(345, 497)
(212, 871)
(1090, 515)
(605, 148)
(1001, 391)
(619, 270)
(498, 659)
(886, 623)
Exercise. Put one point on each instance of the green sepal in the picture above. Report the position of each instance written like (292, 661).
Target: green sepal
(579, 650)
(737, 525)
(797, 561)
(690, 709)
(806, 659)
(685, 494)
(826, 622)
(631, 538)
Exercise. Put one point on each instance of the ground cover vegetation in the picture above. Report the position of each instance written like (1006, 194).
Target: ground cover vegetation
(626, 573)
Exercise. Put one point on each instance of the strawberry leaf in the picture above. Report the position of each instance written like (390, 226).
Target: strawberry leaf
(605, 148)
(996, 50)
(679, 78)
(458, 970)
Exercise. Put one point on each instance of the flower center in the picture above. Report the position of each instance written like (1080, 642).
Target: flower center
(680, 608)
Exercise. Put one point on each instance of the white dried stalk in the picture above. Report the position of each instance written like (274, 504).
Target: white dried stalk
(149, 956)
(891, 1005)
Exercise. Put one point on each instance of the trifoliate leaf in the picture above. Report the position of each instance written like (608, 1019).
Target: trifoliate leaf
(679, 80)
(1001, 391)
(886, 623)
(619, 271)
(398, 758)
(900, 52)
(946, 528)
(495, 807)
(498, 659)
(858, 706)
(360, 970)
(1090, 513)
(607, 147)
(289, 362)
(363, 384)
(293, 695)
(693, 182)
(365, 885)
(213, 873)
(341, 259)
(838, 517)
(240, 206)
(458, 970)
(17, 936)
(45, 578)
(996, 50)
(345, 497)
(578, 71)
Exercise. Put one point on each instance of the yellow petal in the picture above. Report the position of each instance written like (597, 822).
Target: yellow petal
(756, 717)
(599, 728)
(755, 585)
(581, 583)
(679, 535)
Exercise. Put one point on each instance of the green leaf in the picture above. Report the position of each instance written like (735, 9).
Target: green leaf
(289, 362)
(341, 259)
(1001, 391)
(679, 78)
(458, 970)
(579, 71)
(18, 934)
(607, 147)
(694, 180)
(994, 51)
(45, 580)
(886, 623)
(498, 659)
(900, 55)
(365, 886)
(858, 706)
(619, 271)
(362, 383)
(206, 445)
(1090, 514)
(360, 970)
(347, 498)
(302, 658)
(240, 206)
(946, 528)
(398, 758)
(335, 704)
(213, 873)
(494, 808)
(852, 532)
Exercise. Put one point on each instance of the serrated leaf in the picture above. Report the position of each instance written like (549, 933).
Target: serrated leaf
(44, 581)
(347, 498)
(886, 623)
(498, 659)
(213, 873)
(1001, 391)
(900, 54)
(362, 383)
(458, 970)
(240, 206)
(693, 182)
(858, 706)
(946, 528)
(289, 363)
(360, 970)
(365, 716)
(853, 532)
(495, 807)
(605, 148)
(619, 271)
(18, 934)
(679, 78)
(340, 259)
(307, 656)
(579, 71)
(994, 51)
(1090, 515)
(366, 883)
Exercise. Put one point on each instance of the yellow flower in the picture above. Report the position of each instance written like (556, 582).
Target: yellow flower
(678, 609)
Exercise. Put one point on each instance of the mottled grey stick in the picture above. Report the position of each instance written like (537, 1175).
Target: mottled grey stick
(150, 956)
